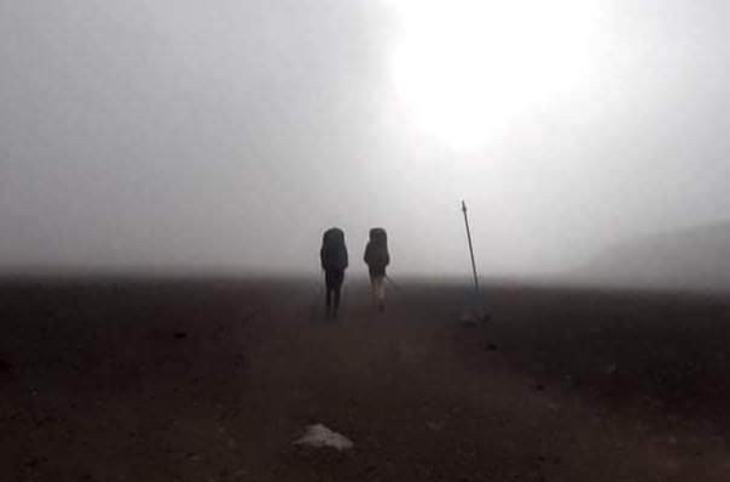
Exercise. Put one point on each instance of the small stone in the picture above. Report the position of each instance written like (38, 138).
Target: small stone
(434, 426)
(468, 320)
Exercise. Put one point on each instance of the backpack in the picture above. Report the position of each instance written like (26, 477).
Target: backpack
(333, 254)
(376, 252)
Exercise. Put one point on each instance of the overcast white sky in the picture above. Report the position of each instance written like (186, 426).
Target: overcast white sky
(229, 134)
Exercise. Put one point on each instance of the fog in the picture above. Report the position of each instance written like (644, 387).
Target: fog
(227, 135)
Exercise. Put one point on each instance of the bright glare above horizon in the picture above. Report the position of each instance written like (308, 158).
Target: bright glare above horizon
(465, 70)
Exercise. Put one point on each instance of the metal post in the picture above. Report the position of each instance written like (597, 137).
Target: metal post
(471, 248)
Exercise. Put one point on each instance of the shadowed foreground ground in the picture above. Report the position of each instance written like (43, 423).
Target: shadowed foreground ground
(213, 380)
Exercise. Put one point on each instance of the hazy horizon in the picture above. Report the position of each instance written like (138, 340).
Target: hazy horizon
(230, 134)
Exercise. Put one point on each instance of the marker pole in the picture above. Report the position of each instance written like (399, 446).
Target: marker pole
(471, 248)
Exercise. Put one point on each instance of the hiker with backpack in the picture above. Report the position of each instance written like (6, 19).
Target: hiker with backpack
(377, 258)
(333, 257)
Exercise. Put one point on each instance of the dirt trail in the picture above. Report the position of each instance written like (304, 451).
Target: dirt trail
(214, 382)
(422, 401)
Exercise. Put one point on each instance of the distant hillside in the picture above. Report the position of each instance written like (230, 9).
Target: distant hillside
(696, 258)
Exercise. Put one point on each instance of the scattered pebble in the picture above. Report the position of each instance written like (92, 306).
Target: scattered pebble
(434, 426)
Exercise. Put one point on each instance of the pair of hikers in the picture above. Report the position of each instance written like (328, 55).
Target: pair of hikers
(333, 257)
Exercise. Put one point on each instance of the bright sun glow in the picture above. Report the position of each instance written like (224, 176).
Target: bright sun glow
(464, 69)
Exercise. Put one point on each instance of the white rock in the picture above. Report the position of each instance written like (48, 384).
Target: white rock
(319, 436)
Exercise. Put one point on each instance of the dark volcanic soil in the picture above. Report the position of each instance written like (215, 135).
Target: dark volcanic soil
(213, 380)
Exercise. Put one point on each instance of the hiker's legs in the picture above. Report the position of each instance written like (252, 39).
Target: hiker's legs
(380, 290)
(334, 286)
(378, 285)
(338, 291)
(339, 278)
(328, 290)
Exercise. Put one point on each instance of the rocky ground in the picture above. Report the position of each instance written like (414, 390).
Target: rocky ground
(112, 380)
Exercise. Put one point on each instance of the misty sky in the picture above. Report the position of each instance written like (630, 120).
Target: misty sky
(229, 134)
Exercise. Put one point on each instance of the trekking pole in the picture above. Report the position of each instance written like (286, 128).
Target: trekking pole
(395, 285)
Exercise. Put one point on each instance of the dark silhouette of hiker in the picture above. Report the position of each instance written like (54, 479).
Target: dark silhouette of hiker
(377, 258)
(333, 256)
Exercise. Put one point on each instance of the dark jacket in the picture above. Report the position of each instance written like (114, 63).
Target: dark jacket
(376, 252)
(333, 254)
